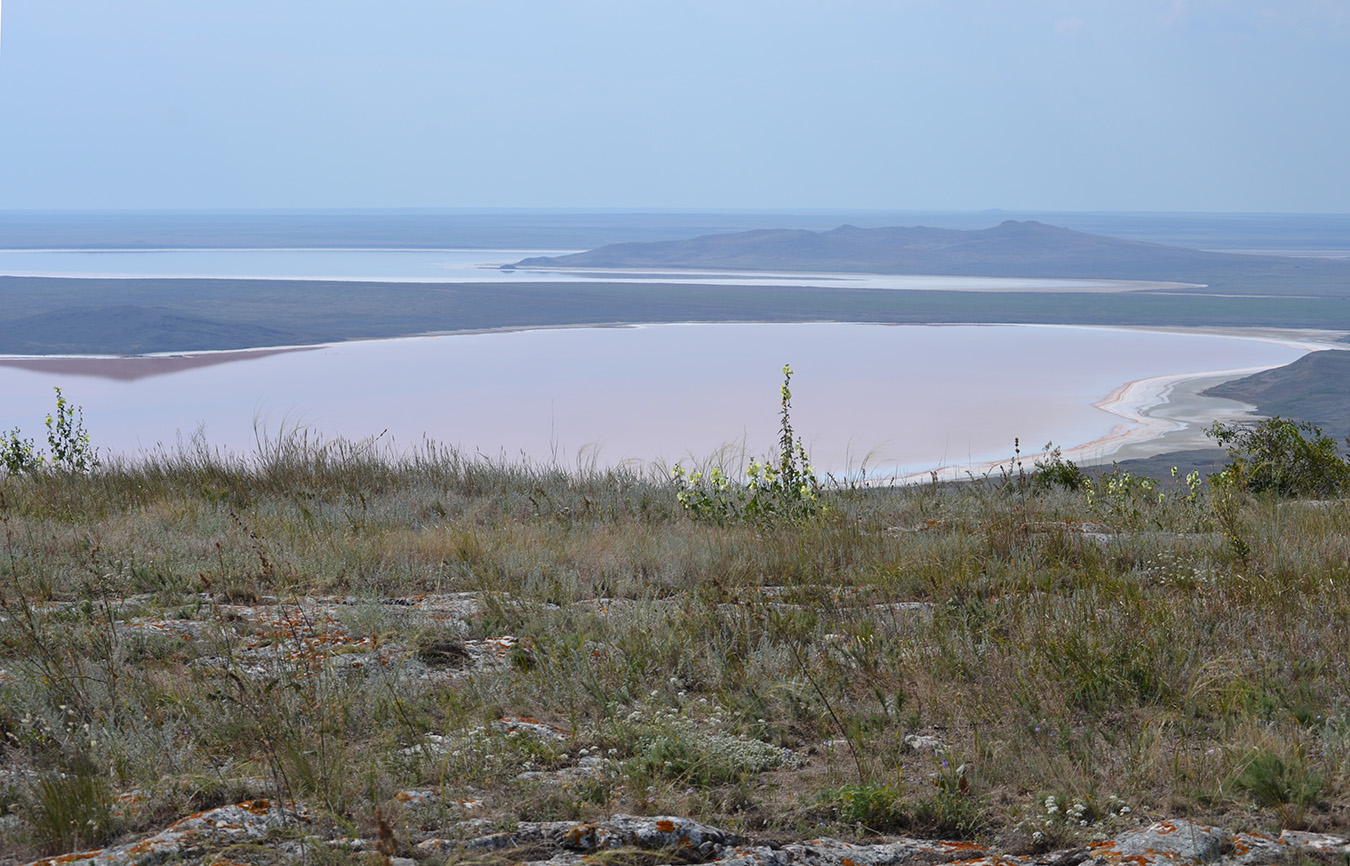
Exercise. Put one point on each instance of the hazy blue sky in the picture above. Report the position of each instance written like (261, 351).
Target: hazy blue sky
(908, 104)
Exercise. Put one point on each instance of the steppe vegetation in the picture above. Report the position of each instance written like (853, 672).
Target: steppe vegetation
(1038, 658)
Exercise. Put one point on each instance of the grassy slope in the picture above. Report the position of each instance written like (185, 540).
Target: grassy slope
(1153, 666)
(1314, 388)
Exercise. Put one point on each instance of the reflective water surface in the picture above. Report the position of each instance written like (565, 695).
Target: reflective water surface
(462, 266)
(906, 398)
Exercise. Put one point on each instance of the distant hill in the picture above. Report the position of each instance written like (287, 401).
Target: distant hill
(1010, 249)
(1314, 388)
(129, 329)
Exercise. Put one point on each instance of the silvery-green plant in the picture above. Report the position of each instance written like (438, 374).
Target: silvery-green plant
(780, 488)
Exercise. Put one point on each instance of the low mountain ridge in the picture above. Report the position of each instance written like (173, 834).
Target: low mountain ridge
(1010, 249)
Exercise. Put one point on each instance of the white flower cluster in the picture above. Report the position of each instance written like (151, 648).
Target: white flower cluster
(1077, 814)
(1074, 815)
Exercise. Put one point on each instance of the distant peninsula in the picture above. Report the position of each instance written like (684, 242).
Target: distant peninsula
(1315, 388)
(1011, 249)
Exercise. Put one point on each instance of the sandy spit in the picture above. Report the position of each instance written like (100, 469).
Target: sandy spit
(1160, 414)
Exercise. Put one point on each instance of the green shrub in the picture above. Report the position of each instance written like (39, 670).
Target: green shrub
(1276, 783)
(951, 812)
(67, 443)
(949, 815)
(876, 807)
(67, 439)
(17, 454)
(1287, 458)
(1053, 471)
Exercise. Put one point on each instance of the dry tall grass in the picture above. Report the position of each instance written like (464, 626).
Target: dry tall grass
(1147, 667)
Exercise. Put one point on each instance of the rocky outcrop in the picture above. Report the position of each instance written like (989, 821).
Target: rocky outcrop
(291, 833)
(197, 838)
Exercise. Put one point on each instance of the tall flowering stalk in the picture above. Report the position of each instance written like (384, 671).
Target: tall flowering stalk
(781, 488)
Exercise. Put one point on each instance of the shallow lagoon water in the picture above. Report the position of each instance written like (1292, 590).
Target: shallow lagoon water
(903, 399)
(458, 266)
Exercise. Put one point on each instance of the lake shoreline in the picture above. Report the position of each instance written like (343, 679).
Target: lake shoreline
(451, 265)
(1159, 414)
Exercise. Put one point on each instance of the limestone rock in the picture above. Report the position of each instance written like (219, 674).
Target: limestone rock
(191, 837)
(199, 839)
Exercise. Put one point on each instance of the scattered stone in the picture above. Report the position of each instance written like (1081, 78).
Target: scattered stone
(1165, 840)
(1316, 841)
(589, 767)
(925, 743)
(599, 651)
(832, 852)
(927, 526)
(533, 727)
(418, 798)
(659, 833)
(1179, 841)
(261, 634)
(757, 855)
